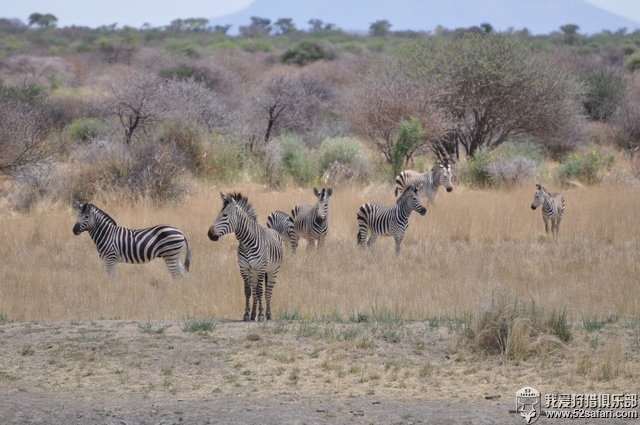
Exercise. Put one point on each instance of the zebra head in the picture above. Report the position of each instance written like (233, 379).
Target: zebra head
(233, 205)
(411, 198)
(322, 210)
(442, 175)
(538, 198)
(85, 220)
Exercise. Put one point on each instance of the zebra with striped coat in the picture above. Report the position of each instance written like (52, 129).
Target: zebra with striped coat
(260, 251)
(118, 244)
(282, 223)
(440, 175)
(552, 208)
(388, 221)
(311, 222)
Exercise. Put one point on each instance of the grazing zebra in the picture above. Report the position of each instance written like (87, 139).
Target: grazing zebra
(282, 223)
(440, 175)
(388, 221)
(311, 222)
(552, 208)
(259, 250)
(118, 244)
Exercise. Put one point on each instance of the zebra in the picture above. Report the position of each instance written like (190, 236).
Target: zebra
(440, 175)
(260, 250)
(118, 244)
(388, 221)
(552, 208)
(282, 223)
(311, 222)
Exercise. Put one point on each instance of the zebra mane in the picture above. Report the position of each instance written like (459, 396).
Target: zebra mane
(98, 211)
(406, 193)
(243, 202)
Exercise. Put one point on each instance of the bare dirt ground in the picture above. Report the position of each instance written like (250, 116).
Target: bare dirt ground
(282, 372)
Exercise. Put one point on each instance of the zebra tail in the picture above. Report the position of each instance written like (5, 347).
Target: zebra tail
(187, 258)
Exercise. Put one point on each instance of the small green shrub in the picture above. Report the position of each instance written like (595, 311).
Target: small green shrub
(509, 164)
(587, 167)
(304, 53)
(632, 62)
(86, 129)
(184, 47)
(342, 161)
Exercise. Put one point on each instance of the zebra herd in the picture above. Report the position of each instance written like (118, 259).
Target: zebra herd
(260, 249)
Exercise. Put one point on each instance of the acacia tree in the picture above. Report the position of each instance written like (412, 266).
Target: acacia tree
(389, 108)
(494, 87)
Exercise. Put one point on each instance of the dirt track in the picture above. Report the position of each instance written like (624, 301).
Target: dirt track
(124, 372)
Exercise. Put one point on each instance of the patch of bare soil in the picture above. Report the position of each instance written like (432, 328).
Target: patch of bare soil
(282, 372)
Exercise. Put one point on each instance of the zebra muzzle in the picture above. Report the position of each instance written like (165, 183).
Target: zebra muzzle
(533, 207)
(76, 230)
(212, 235)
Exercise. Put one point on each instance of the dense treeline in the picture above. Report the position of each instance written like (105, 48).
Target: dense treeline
(143, 110)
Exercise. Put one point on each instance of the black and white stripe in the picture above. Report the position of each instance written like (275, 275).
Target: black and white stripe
(552, 208)
(282, 223)
(388, 221)
(259, 250)
(430, 181)
(311, 222)
(118, 244)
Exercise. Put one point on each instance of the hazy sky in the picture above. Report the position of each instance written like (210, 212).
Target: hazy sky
(136, 13)
(133, 13)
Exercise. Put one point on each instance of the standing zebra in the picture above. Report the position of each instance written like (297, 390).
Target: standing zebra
(552, 208)
(259, 250)
(118, 244)
(311, 222)
(440, 175)
(282, 223)
(388, 221)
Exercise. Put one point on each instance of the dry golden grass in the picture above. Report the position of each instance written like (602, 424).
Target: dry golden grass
(470, 245)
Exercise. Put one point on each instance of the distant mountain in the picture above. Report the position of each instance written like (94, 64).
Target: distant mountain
(538, 16)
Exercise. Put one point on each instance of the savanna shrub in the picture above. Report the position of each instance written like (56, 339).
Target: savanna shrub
(304, 53)
(505, 166)
(186, 139)
(587, 167)
(342, 161)
(225, 160)
(86, 129)
(289, 160)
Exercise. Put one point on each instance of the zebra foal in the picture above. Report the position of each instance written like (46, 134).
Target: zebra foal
(259, 251)
(311, 222)
(552, 208)
(388, 221)
(118, 244)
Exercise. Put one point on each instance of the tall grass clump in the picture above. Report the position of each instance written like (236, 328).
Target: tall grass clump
(587, 167)
(514, 330)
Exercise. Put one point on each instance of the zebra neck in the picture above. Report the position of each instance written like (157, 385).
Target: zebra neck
(246, 230)
(100, 232)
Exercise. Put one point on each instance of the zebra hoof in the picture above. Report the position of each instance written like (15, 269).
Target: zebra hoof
(245, 318)
(261, 318)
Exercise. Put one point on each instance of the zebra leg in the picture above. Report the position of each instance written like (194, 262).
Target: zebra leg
(546, 224)
(247, 295)
(398, 238)
(362, 234)
(270, 281)
(111, 269)
(372, 239)
(320, 242)
(256, 288)
(257, 296)
(175, 266)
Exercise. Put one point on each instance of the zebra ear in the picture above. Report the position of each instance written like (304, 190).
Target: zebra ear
(538, 186)
(315, 192)
(329, 192)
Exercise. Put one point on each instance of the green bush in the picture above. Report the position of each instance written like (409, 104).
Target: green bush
(632, 62)
(509, 164)
(86, 129)
(304, 53)
(297, 161)
(587, 167)
(342, 161)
